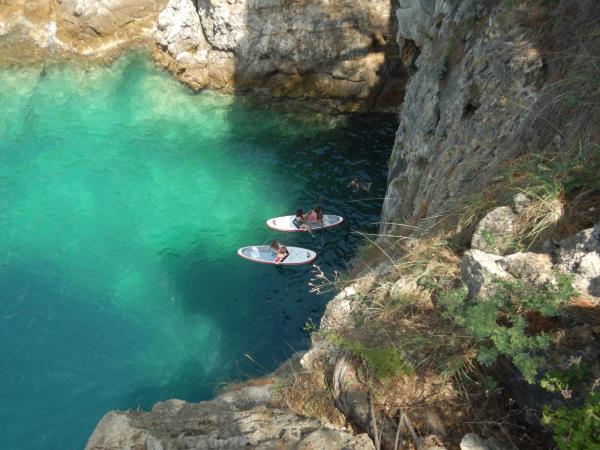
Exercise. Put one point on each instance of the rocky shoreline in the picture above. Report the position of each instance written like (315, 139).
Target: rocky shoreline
(62, 29)
(249, 415)
(478, 85)
(342, 55)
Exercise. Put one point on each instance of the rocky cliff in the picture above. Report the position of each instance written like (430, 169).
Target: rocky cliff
(342, 52)
(32, 29)
(492, 81)
(481, 85)
(241, 418)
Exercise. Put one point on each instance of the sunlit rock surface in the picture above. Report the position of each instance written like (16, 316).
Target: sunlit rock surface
(342, 51)
(30, 29)
(238, 419)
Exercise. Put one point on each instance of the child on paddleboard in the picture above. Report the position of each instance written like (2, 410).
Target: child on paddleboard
(281, 252)
(316, 215)
(300, 222)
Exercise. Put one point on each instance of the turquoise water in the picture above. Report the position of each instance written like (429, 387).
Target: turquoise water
(123, 199)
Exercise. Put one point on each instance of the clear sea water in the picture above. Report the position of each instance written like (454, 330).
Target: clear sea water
(123, 199)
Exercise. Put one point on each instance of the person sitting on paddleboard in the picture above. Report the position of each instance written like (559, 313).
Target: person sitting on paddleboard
(281, 252)
(316, 215)
(300, 222)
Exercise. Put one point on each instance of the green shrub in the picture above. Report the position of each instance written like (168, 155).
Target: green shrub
(309, 326)
(489, 237)
(498, 323)
(561, 380)
(575, 429)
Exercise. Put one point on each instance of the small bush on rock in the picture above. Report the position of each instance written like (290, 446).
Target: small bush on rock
(499, 323)
(562, 380)
(575, 429)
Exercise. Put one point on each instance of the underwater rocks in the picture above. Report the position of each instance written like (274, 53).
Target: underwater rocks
(341, 52)
(242, 418)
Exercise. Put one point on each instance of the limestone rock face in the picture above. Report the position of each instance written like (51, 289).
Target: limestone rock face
(480, 269)
(89, 23)
(496, 231)
(82, 27)
(341, 51)
(580, 255)
(243, 418)
(470, 104)
(472, 441)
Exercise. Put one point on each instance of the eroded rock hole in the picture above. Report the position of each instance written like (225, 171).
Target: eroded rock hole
(473, 103)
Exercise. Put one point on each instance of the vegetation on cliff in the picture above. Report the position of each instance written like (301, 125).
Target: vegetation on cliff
(516, 358)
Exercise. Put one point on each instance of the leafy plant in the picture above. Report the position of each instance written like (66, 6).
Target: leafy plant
(561, 381)
(392, 160)
(309, 326)
(489, 237)
(514, 245)
(499, 324)
(575, 429)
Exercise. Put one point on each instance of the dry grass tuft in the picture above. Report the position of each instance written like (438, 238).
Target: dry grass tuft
(563, 188)
(412, 358)
(306, 393)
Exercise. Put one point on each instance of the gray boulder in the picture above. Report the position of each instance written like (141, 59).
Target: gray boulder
(480, 269)
(496, 231)
(521, 202)
(534, 268)
(472, 441)
(579, 255)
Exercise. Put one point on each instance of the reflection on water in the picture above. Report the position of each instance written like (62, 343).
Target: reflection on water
(124, 198)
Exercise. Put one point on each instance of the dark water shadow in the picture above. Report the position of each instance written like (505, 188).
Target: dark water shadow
(260, 309)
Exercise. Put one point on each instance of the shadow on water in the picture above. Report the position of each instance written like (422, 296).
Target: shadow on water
(123, 218)
(261, 309)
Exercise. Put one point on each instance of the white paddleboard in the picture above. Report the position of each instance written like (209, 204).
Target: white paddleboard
(286, 223)
(264, 254)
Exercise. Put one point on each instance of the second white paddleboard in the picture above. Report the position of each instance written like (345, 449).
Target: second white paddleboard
(263, 254)
(286, 223)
